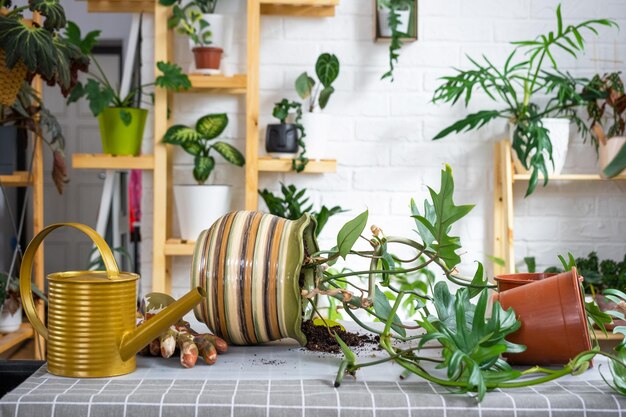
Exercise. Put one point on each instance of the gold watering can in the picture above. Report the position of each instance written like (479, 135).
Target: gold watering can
(92, 328)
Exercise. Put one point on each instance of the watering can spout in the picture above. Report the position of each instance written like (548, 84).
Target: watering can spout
(134, 341)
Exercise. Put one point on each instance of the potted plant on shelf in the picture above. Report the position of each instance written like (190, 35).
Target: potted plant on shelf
(209, 33)
(283, 140)
(394, 21)
(293, 204)
(606, 101)
(280, 271)
(316, 124)
(121, 119)
(11, 303)
(29, 49)
(539, 134)
(200, 205)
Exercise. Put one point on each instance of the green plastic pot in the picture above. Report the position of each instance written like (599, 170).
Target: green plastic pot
(118, 138)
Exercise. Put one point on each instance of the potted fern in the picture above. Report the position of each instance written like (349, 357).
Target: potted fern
(539, 133)
(199, 205)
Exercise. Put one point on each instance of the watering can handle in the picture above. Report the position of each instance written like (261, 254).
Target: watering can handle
(27, 267)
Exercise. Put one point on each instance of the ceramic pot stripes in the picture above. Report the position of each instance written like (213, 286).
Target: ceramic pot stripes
(250, 264)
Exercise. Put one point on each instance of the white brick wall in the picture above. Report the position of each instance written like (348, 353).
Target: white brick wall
(383, 131)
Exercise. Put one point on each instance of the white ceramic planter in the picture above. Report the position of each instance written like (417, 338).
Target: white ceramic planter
(317, 127)
(606, 153)
(10, 322)
(559, 137)
(383, 21)
(199, 206)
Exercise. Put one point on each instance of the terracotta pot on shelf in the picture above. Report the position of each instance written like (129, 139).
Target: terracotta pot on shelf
(509, 281)
(554, 322)
(207, 57)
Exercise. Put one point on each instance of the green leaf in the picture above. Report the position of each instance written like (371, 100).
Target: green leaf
(229, 153)
(471, 122)
(126, 117)
(168, 3)
(52, 11)
(447, 213)
(347, 352)
(99, 96)
(203, 166)
(172, 77)
(212, 125)
(192, 148)
(325, 96)
(350, 232)
(597, 316)
(327, 69)
(430, 216)
(479, 280)
(74, 36)
(33, 45)
(383, 309)
(181, 134)
(531, 265)
(304, 85)
(617, 165)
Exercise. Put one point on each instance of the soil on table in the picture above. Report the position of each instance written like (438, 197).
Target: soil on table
(321, 339)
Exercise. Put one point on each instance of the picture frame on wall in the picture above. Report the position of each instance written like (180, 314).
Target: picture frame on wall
(407, 16)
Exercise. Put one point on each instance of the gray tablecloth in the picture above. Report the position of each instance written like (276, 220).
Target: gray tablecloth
(284, 380)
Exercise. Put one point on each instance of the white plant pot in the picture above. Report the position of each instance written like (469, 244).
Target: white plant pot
(606, 153)
(199, 206)
(317, 127)
(10, 322)
(558, 131)
(221, 28)
(383, 21)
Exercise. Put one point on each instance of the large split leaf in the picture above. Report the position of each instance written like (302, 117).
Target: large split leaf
(446, 214)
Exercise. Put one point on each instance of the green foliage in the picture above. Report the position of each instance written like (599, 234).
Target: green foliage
(350, 233)
(41, 48)
(327, 71)
(617, 165)
(602, 274)
(472, 344)
(281, 111)
(205, 6)
(294, 203)
(525, 71)
(383, 309)
(605, 100)
(445, 214)
(188, 21)
(198, 142)
(395, 43)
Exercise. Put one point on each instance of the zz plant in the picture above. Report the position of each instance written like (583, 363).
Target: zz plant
(531, 69)
(472, 342)
(198, 141)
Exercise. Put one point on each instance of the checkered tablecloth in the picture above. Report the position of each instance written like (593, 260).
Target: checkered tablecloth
(282, 379)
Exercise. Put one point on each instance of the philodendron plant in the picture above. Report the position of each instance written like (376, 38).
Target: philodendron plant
(530, 70)
(472, 343)
(198, 141)
(327, 71)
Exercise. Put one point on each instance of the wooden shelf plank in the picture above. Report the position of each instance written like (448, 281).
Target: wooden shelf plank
(571, 177)
(8, 340)
(104, 161)
(219, 84)
(178, 247)
(609, 336)
(17, 179)
(267, 164)
(308, 8)
(120, 6)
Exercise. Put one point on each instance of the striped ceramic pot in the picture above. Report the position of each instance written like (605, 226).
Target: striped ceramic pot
(250, 264)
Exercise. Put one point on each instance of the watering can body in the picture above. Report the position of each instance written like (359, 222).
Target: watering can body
(92, 328)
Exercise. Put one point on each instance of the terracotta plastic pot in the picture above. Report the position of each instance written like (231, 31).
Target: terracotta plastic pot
(250, 264)
(554, 322)
(208, 57)
(509, 281)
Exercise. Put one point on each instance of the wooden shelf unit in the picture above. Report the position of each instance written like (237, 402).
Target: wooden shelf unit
(35, 181)
(120, 6)
(503, 204)
(165, 246)
(104, 161)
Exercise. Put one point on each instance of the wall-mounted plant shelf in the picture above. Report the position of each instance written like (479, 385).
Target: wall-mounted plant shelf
(17, 179)
(571, 177)
(104, 161)
(308, 8)
(178, 247)
(412, 28)
(218, 84)
(267, 164)
(120, 6)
